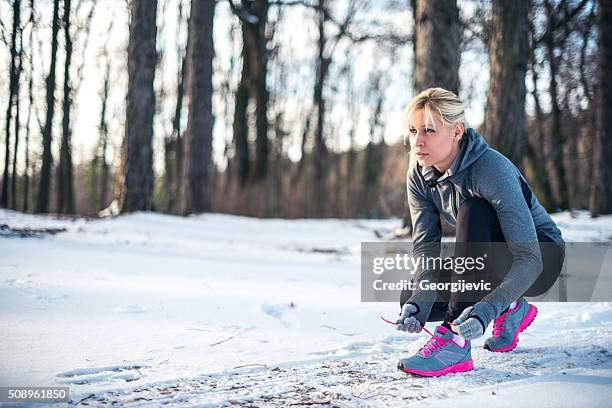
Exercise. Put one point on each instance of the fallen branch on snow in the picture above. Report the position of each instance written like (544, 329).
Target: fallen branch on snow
(222, 341)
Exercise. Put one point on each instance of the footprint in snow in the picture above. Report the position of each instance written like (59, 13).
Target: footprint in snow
(122, 372)
(282, 312)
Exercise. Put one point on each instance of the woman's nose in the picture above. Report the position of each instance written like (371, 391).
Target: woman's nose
(420, 140)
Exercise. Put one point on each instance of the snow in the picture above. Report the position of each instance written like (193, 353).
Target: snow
(559, 391)
(146, 309)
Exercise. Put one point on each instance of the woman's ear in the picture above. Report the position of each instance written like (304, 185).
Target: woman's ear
(459, 129)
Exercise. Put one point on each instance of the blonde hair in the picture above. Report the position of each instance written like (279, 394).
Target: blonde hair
(445, 103)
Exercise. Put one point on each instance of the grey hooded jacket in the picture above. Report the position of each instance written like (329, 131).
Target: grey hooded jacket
(478, 171)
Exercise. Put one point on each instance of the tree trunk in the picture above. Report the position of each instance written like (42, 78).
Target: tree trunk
(601, 193)
(253, 17)
(539, 154)
(241, 129)
(320, 152)
(26, 177)
(437, 45)
(101, 204)
(12, 101)
(65, 182)
(137, 194)
(198, 137)
(17, 125)
(174, 146)
(42, 204)
(558, 139)
(262, 145)
(504, 124)
(592, 117)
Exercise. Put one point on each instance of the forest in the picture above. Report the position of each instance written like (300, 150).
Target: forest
(290, 108)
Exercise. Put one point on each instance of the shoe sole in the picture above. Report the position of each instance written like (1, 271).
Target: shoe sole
(455, 368)
(529, 318)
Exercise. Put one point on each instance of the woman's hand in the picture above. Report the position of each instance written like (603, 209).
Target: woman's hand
(468, 325)
(407, 322)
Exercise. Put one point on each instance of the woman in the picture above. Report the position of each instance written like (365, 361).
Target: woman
(454, 174)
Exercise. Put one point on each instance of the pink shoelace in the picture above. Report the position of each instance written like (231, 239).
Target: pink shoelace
(393, 323)
(432, 344)
(498, 325)
(500, 322)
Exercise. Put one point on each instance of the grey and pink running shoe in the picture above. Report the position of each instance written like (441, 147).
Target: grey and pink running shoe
(439, 356)
(508, 325)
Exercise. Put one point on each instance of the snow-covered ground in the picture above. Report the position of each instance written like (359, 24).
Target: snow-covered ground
(148, 309)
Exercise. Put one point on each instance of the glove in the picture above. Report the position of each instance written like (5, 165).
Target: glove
(407, 322)
(468, 325)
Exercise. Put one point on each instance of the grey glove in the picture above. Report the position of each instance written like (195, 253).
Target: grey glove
(468, 325)
(407, 322)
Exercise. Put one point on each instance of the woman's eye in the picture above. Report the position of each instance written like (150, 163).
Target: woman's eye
(413, 131)
(429, 130)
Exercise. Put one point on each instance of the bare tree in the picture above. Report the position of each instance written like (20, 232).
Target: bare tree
(253, 17)
(100, 165)
(320, 152)
(14, 72)
(349, 193)
(42, 204)
(558, 15)
(17, 125)
(326, 47)
(556, 131)
(534, 150)
(601, 193)
(26, 178)
(241, 135)
(504, 123)
(259, 43)
(103, 143)
(198, 137)
(65, 177)
(588, 85)
(137, 189)
(173, 145)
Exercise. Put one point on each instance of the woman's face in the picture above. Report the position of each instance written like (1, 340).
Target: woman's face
(431, 142)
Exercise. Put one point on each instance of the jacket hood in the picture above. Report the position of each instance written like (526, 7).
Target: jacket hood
(476, 147)
(472, 147)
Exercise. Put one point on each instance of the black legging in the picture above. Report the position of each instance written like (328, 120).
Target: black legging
(477, 222)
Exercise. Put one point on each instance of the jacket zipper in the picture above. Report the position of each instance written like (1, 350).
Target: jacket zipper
(454, 198)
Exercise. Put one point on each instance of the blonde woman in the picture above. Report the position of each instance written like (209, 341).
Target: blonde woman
(454, 174)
